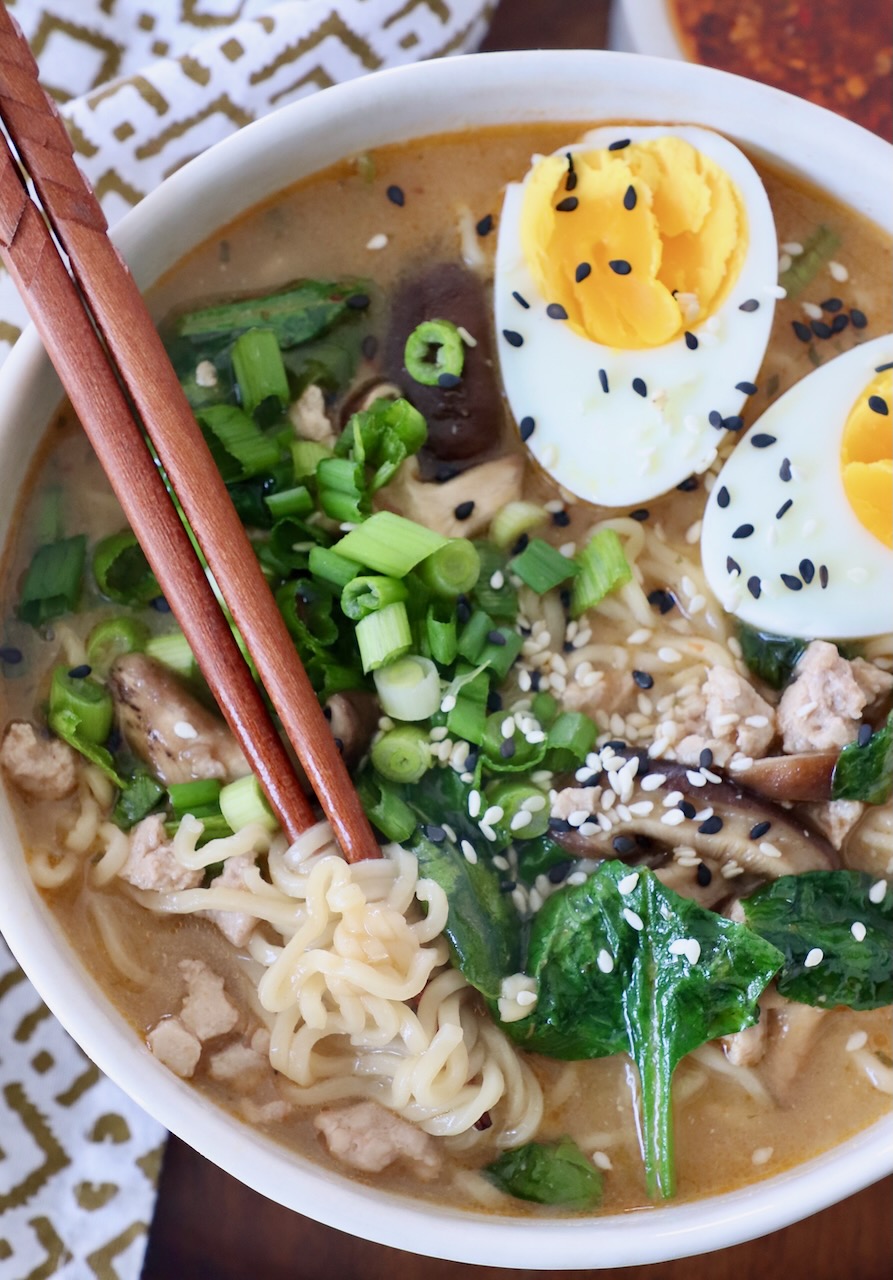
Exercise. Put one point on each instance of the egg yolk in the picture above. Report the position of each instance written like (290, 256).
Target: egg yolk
(866, 457)
(612, 236)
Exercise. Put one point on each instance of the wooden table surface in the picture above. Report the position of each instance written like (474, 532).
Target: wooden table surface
(208, 1226)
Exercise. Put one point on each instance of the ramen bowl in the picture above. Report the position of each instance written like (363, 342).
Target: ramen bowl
(193, 204)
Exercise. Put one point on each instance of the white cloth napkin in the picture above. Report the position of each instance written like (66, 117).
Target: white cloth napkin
(144, 87)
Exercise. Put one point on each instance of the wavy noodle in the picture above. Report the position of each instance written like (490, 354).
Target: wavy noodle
(49, 871)
(879, 1073)
(84, 833)
(713, 1059)
(114, 938)
(115, 851)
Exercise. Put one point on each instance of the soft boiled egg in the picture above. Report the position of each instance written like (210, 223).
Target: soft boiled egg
(797, 536)
(635, 285)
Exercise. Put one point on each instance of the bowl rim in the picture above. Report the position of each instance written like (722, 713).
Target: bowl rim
(375, 107)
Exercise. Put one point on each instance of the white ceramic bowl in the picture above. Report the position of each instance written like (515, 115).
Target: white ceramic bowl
(415, 101)
(644, 26)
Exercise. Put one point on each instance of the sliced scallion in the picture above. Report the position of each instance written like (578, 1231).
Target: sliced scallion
(173, 651)
(259, 371)
(122, 571)
(66, 725)
(331, 568)
(571, 737)
(408, 689)
(468, 717)
(385, 809)
(139, 797)
(193, 797)
(52, 584)
(342, 495)
(434, 349)
(542, 567)
(290, 502)
(602, 567)
(364, 595)
(495, 593)
(306, 457)
(238, 447)
(113, 637)
(517, 797)
(473, 635)
(452, 570)
(390, 544)
(500, 651)
(440, 634)
(515, 519)
(403, 755)
(89, 700)
(384, 636)
(242, 802)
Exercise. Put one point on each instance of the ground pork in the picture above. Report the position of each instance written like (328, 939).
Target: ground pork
(151, 863)
(368, 1137)
(175, 1046)
(736, 719)
(309, 418)
(206, 1010)
(822, 707)
(836, 818)
(41, 767)
(237, 926)
(240, 1065)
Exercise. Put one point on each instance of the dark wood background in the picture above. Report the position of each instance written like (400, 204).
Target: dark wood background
(209, 1227)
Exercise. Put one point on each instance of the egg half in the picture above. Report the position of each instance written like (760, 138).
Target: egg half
(797, 537)
(635, 285)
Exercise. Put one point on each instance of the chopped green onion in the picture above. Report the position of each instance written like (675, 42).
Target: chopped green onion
(440, 636)
(806, 266)
(141, 794)
(382, 437)
(259, 371)
(173, 651)
(545, 708)
(474, 634)
(403, 755)
(115, 636)
(306, 457)
(238, 447)
(365, 595)
(89, 700)
(52, 584)
(331, 568)
(122, 571)
(468, 717)
(499, 654)
(602, 568)
(66, 725)
(571, 738)
(509, 752)
(515, 519)
(342, 494)
(390, 544)
(434, 348)
(290, 502)
(243, 801)
(494, 592)
(291, 541)
(191, 797)
(452, 570)
(542, 567)
(516, 797)
(384, 636)
(408, 689)
(385, 809)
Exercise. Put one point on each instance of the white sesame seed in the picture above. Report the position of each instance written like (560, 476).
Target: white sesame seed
(858, 1040)
(589, 829)
(449, 703)
(697, 604)
(688, 947)
(785, 261)
(877, 892)
(521, 819)
(183, 729)
(601, 1160)
(776, 291)
(494, 814)
(486, 830)
(438, 733)
(757, 722)
(568, 549)
(813, 958)
(470, 852)
(474, 803)
(858, 930)
(641, 808)
(658, 747)
(497, 580)
(696, 778)
(507, 728)
(578, 817)
(628, 883)
(632, 919)
(769, 850)
(730, 717)
(466, 778)
(838, 272)
(576, 877)
(672, 817)
(206, 373)
(519, 898)
(639, 637)
(466, 336)
(605, 961)
(733, 644)
(672, 798)
(762, 1155)
(608, 798)
(590, 680)
(526, 998)
(377, 242)
(742, 762)
(812, 309)
(524, 681)
(652, 781)
(693, 533)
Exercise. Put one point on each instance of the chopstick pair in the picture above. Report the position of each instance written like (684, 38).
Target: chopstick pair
(133, 360)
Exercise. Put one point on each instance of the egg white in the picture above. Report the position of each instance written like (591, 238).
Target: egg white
(819, 526)
(616, 447)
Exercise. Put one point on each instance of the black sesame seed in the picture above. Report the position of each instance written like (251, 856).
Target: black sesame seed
(785, 506)
(733, 423)
(521, 300)
(564, 595)
(80, 672)
(747, 388)
(784, 471)
(877, 405)
(839, 323)
(582, 272)
(463, 609)
(512, 338)
(661, 600)
(705, 759)
(560, 519)
(823, 575)
(448, 380)
(831, 304)
(641, 514)
(723, 498)
(732, 566)
(629, 198)
(508, 886)
(623, 845)
(10, 654)
(616, 744)
(743, 531)
(445, 473)
(791, 582)
(643, 679)
(485, 226)
(570, 182)
(464, 510)
(750, 305)
(327, 712)
(703, 875)
(820, 329)
(802, 331)
(755, 587)
(714, 417)
(436, 834)
(711, 826)
(620, 266)
(859, 318)
(807, 570)
(494, 701)
(160, 605)
(555, 311)
(603, 379)
(762, 440)
(559, 871)
(561, 825)
(370, 346)
(689, 485)
(357, 301)
(495, 637)
(619, 144)
(507, 748)
(863, 737)
(520, 544)
(882, 368)
(567, 646)
(686, 807)
(396, 196)
(757, 832)
(691, 341)
(526, 428)
(567, 205)
(640, 387)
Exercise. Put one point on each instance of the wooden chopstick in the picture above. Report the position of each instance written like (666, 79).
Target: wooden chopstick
(140, 361)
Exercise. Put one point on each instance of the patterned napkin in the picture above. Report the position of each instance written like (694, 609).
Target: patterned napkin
(145, 85)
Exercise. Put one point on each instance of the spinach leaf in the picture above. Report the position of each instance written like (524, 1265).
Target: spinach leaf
(549, 1174)
(297, 314)
(139, 797)
(642, 971)
(818, 910)
(772, 658)
(866, 772)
